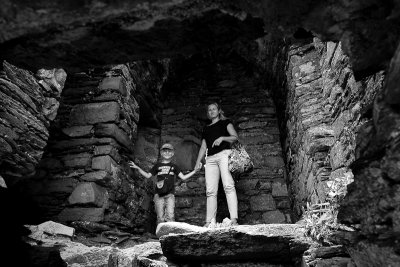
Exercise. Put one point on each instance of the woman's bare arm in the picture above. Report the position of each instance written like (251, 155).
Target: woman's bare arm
(233, 136)
(201, 154)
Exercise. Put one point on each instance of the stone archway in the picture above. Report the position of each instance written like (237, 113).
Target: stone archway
(325, 107)
(229, 80)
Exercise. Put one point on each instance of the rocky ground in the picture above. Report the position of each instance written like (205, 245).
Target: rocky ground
(182, 244)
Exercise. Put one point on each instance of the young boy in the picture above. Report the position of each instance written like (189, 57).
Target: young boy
(164, 198)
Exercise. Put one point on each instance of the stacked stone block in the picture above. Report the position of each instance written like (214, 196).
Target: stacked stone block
(322, 107)
(354, 138)
(309, 135)
(84, 175)
(336, 116)
(28, 104)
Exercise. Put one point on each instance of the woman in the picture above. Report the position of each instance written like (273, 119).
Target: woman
(216, 140)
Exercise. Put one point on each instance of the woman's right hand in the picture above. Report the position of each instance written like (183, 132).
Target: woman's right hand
(198, 166)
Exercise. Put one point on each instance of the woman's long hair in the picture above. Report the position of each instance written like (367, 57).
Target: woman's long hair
(221, 112)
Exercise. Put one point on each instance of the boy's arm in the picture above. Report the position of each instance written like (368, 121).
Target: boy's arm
(188, 175)
(142, 172)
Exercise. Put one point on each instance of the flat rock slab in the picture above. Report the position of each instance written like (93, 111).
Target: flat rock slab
(177, 228)
(272, 243)
(54, 228)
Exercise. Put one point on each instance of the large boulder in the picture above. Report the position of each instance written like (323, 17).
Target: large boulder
(146, 254)
(270, 243)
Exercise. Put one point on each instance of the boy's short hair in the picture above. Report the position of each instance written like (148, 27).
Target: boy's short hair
(167, 146)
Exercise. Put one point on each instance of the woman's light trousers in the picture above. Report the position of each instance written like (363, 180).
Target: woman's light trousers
(216, 167)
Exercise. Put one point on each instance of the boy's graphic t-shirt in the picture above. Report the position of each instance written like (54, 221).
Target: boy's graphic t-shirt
(166, 173)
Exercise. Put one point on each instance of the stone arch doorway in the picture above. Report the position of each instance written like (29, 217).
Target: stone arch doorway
(232, 82)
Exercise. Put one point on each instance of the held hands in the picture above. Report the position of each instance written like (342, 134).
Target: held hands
(198, 167)
(218, 141)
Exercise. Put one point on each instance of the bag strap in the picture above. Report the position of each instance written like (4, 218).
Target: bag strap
(236, 144)
(168, 172)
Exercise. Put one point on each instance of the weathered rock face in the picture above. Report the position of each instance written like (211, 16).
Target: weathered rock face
(84, 174)
(27, 106)
(262, 194)
(357, 25)
(373, 199)
(74, 37)
(75, 26)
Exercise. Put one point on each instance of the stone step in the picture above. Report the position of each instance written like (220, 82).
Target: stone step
(269, 243)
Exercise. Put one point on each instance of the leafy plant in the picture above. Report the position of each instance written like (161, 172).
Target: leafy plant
(321, 218)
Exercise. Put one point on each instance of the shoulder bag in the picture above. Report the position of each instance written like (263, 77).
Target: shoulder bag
(239, 159)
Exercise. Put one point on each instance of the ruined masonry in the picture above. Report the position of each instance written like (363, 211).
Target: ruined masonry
(262, 194)
(28, 104)
(83, 175)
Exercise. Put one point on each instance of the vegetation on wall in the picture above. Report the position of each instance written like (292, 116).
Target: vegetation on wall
(321, 218)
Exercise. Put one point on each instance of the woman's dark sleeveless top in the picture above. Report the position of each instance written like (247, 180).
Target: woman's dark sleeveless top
(212, 132)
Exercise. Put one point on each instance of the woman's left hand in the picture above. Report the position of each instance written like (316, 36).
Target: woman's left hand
(218, 141)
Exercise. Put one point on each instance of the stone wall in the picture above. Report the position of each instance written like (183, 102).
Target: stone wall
(373, 199)
(335, 128)
(28, 104)
(84, 175)
(325, 108)
(262, 194)
(320, 107)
